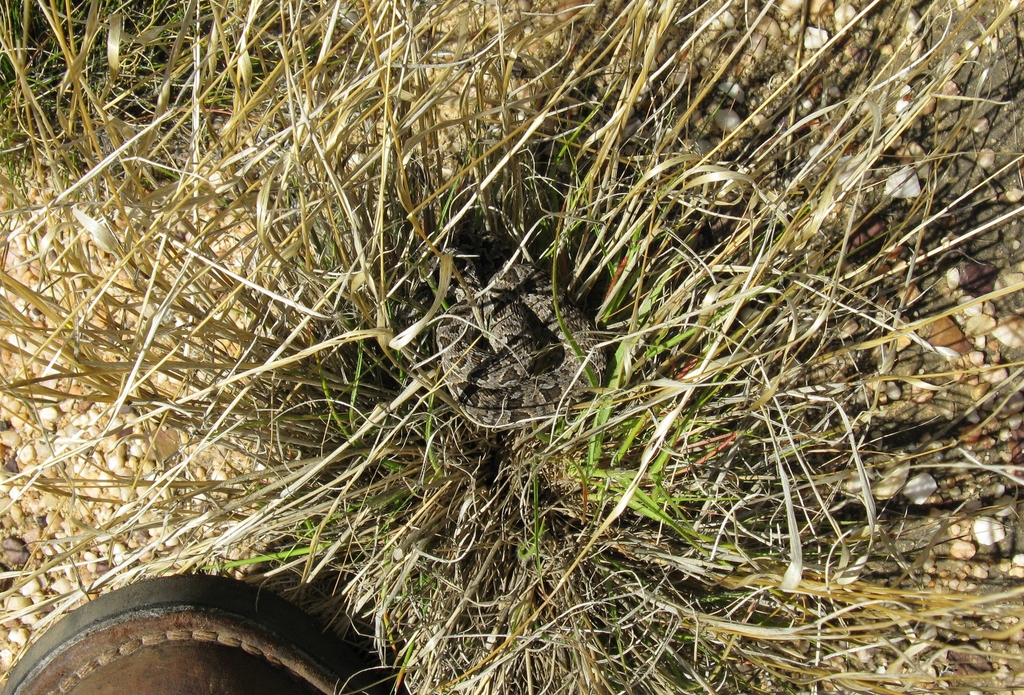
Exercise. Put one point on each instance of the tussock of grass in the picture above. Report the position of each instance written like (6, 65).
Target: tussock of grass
(219, 220)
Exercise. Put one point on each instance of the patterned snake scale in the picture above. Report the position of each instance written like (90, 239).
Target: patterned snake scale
(520, 367)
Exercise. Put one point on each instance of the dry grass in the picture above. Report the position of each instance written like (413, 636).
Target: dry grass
(218, 221)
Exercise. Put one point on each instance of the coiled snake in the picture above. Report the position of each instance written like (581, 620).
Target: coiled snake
(519, 366)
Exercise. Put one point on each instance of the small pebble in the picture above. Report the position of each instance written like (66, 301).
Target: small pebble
(972, 309)
(845, 14)
(30, 587)
(946, 334)
(1008, 278)
(979, 325)
(1018, 560)
(49, 415)
(988, 531)
(962, 550)
(727, 120)
(1010, 331)
(61, 586)
(27, 454)
(903, 183)
(980, 125)
(953, 278)
(977, 278)
(733, 91)
(913, 22)
(815, 38)
(1014, 403)
(16, 553)
(789, 8)
(10, 438)
(919, 488)
(18, 636)
(820, 7)
(770, 28)
(891, 481)
(16, 603)
(986, 158)
(758, 45)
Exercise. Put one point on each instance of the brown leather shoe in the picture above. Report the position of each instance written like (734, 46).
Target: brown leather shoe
(189, 635)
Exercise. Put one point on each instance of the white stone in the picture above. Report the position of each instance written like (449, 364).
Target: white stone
(913, 22)
(962, 550)
(18, 636)
(893, 391)
(891, 481)
(758, 45)
(996, 376)
(919, 488)
(903, 183)
(11, 439)
(1010, 331)
(769, 28)
(979, 324)
(30, 587)
(1008, 278)
(727, 120)
(49, 415)
(61, 586)
(971, 309)
(789, 8)
(953, 278)
(1014, 403)
(27, 454)
(815, 38)
(733, 91)
(986, 158)
(845, 14)
(988, 531)
(115, 461)
(17, 603)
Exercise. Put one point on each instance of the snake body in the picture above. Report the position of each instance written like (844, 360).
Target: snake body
(519, 365)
